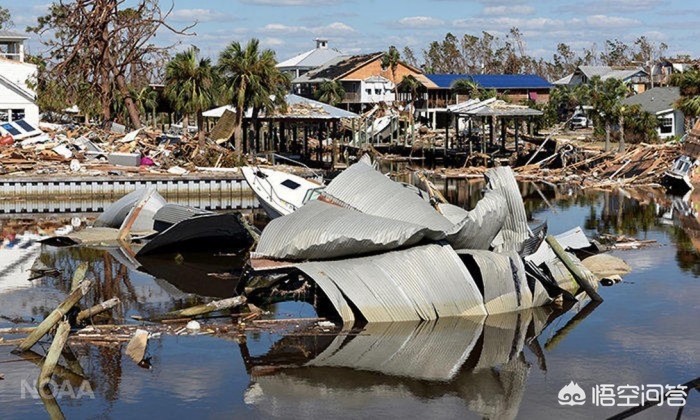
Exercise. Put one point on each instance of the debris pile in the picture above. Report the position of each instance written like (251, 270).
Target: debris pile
(87, 148)
(372, 246)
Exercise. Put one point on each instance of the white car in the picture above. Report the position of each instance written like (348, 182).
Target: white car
(579, 121)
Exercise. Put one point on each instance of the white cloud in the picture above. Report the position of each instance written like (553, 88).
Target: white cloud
(199, 15)
(289, 2)
(335, 28)
(612, 22)
(270, 42)
(509, 10)
(421, 22)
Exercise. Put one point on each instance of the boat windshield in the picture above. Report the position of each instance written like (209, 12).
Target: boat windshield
(312, 194)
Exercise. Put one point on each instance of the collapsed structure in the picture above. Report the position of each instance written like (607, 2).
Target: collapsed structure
(380, 252)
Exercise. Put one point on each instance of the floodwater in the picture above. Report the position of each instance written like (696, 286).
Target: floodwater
(643, 335)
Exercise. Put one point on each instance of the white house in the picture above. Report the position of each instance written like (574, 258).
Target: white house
(17, 99)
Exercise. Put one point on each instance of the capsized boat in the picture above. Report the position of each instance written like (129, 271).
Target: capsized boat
(679, 178)
(280, 193)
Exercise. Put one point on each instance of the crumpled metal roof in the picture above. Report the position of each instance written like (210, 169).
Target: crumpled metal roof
(476, 229)
(403, 285)
(320, 231)
(515, 228)
(365, 189)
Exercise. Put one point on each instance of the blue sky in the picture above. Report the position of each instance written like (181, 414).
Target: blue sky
(362, 26)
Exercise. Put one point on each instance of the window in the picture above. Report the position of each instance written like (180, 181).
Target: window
(291, 184)
(666, 125)
(17, 114)
(4, 115)
(368, 91)
(377, 91)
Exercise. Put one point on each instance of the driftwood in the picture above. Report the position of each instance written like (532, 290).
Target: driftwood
(54, 353)
(79, 275)
(55, 316)
(580, 278)
(136, 349)
(206, 308)
(100, 307)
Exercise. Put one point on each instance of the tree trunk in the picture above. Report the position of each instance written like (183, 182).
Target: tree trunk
(126, 94)
(238, 134)
(607, 136)
(621, 146)
(200, 127)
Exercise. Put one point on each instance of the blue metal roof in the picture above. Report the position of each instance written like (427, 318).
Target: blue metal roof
(493, 81)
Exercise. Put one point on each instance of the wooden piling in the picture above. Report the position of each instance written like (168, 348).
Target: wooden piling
(100, 307)
(580, 278)
(54, 353)
(79, 275)
(55, 316)
(216, 305)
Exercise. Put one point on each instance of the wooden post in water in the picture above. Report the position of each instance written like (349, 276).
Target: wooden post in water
(54, 353)
(580, 278)
(100, 307)
(55, 316)
(216, 305)
(79, 275)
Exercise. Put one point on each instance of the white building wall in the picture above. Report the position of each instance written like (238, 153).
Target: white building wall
(375, 92)
(18, 74)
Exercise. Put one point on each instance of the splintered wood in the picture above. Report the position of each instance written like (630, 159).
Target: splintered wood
(644, 164)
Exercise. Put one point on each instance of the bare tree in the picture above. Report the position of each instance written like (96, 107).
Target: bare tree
(104, 46)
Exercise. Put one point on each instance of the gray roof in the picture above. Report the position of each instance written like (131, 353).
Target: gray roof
(608, 72)
(11, 35)
(655, 100)
(309, 59)
(310, 77)
(299, 107)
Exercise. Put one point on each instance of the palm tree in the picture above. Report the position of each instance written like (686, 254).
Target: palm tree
(467, 87)
(146, 100)
(330, 92)
(391, 60)
(250, 77)
(689, 103)
(606, 97)
(189, 85)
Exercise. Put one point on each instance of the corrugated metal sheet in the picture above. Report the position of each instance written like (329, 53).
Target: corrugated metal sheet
(478, 228)
(432, 351)
(174, 213)
(333, 293)
(367, 190)
(114, 215)
(319, 231)
(500, 291)
(404, 285)
(515, 228)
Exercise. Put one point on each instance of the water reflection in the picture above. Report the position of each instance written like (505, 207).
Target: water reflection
(479, 360)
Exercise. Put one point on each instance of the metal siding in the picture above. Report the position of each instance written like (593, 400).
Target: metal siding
(320, 230)
(481, 225)
(363, 188)
(515, 228)
(405, 285)
(332, 292)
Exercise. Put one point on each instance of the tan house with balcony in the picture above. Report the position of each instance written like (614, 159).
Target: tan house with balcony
(365, 80)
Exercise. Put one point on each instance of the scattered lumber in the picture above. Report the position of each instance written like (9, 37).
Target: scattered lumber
(55, 316)
(53, 354)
